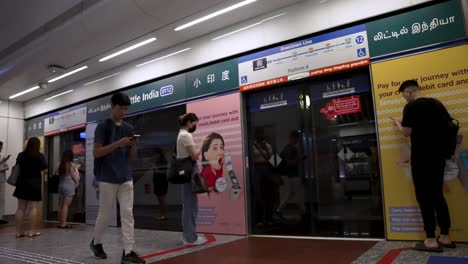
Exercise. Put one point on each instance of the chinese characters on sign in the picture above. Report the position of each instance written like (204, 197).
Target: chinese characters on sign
(265, 83)
(34, 127)
(211, 78)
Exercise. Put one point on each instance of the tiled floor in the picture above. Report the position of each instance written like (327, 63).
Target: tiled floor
(378, 251)
(71, 246)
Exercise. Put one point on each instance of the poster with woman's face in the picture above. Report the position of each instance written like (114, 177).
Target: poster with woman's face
(218, 134)
(213, 162)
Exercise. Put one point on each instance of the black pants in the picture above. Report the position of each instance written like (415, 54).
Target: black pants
(264, 194)
(428, 179)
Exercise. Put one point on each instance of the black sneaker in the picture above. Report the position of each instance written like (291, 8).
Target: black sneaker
(131, 258)
(3, 222)
(98, 250)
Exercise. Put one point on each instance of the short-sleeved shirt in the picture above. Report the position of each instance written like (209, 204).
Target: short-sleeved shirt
(115, 167)
(427, 117)
(184, 140)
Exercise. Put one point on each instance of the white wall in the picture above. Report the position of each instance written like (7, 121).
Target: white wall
(12, 134)
(301, 19)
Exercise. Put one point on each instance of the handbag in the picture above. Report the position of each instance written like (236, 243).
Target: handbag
(199, 183)
(15, 172)
(180, 170)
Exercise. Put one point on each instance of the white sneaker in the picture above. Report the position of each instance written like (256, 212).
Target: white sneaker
(200, 241)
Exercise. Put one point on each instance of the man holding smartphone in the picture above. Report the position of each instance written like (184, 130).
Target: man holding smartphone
(425, 122)
(3, 169)
(114, 148)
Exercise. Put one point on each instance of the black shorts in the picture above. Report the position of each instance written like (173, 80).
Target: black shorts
(160, 184)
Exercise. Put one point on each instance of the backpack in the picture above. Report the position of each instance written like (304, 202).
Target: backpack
(451, 136)
(107, 131)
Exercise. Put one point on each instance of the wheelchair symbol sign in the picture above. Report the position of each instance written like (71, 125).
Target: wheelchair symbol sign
(359, 39)
(244, 79)
(361, 52)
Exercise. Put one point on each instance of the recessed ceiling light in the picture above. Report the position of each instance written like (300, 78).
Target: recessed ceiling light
(244, 28)
(128, 49)
(235, 31)
(103, 78)
(163, 57)
(215, 14)
(57, 95)
(323, 1)
(273, 17)
(68, 74)
(24, 92)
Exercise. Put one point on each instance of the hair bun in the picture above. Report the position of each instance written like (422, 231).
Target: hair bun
(181, 119)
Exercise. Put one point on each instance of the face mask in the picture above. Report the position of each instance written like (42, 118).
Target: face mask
(191, 130)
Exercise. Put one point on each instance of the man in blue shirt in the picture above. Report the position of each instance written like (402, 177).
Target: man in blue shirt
(114, 148)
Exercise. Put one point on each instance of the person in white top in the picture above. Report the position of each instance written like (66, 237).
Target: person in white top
(186, 148)
(3, 169)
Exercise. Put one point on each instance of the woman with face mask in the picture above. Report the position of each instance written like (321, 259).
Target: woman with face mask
(186, 148)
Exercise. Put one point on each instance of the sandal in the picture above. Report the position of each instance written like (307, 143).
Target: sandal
(21, 235)
(64, 227)
(420, 246)
(445, 245)
(30, 235)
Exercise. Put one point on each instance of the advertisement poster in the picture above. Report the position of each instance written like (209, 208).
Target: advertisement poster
(219, 134)
(441, 74)
(92, 193)
(336, 51)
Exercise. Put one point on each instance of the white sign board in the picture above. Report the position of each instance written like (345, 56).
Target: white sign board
(336, 51)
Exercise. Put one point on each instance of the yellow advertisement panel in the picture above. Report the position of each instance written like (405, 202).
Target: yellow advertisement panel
(443, 75)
